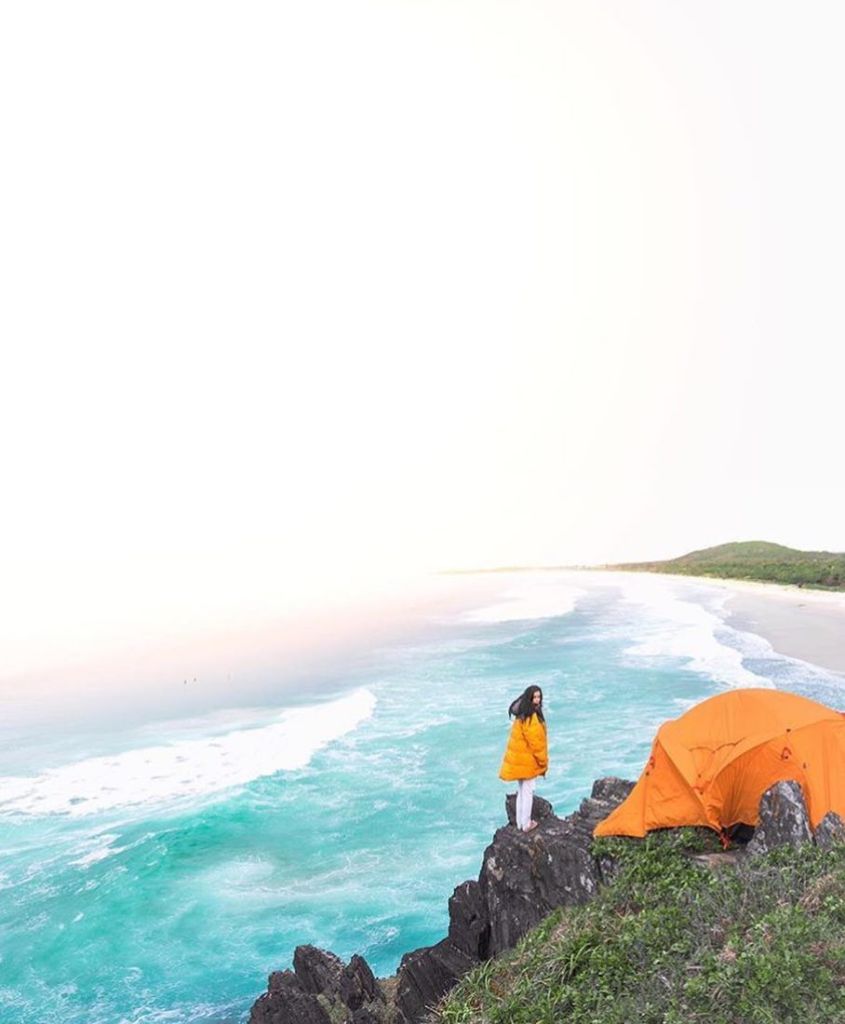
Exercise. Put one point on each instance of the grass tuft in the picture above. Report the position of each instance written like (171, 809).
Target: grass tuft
(672, 942)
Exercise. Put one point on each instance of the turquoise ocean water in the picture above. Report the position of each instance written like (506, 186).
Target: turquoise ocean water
(157, 871)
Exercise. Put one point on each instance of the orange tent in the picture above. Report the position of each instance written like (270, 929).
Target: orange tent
(711, 766)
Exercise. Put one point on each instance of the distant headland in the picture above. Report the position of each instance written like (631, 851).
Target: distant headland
(741, 560)
(753, 560)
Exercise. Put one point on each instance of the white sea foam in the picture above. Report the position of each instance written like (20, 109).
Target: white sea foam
(188, 768)
(531, 599)
(98, 848)
(680, 620)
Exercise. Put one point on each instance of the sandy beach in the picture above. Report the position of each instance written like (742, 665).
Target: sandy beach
(801, 623)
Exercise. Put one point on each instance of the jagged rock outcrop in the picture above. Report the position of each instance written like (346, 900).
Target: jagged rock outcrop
(317, 970)
(524, 875)
(783, 819)
(427, 974)
(606, 795)
(830, 830)
(365, 1016)
(318, 982)
(539, 809)
(286, 1002)
(469, 922)
(358, 984)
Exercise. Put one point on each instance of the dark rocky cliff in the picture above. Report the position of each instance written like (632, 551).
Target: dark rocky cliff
(523, 877)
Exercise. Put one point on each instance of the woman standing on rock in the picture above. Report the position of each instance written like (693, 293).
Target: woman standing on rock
(527, 754)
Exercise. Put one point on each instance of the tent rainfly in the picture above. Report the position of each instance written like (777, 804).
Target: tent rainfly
(711, 765)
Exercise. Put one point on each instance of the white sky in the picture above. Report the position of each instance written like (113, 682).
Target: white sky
(298, 294)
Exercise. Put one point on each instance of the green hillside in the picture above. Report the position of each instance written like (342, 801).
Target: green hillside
(755, 560)
(674, 942)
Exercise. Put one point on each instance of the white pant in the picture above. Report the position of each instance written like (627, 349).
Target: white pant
(524, 802)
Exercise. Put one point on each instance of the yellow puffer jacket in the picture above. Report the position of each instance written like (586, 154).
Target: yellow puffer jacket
(527, 755)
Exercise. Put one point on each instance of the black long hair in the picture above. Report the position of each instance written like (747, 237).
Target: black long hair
(523, 706)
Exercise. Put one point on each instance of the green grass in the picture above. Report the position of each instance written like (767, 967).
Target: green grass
(672, 942)
(755, 560)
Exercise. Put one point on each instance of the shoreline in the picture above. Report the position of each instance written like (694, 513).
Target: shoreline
(797, 621)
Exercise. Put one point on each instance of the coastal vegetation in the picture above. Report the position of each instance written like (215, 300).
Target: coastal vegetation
(756, 940)
(754, 560)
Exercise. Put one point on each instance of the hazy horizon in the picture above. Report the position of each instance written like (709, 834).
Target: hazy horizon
(306, 301)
